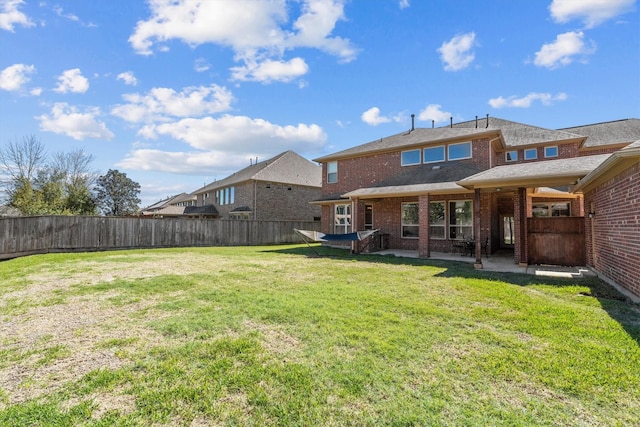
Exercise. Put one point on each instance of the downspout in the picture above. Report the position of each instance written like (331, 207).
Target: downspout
(255, 199)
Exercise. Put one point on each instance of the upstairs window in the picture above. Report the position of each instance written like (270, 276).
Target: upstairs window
(434, 154)
(411, 157)
(332, 172)
(551, 151)
(460, 151)
(511, 156)
(531, 154)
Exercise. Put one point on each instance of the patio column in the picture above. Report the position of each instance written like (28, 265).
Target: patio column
(476, 229)
(424, 245)
(520, 219)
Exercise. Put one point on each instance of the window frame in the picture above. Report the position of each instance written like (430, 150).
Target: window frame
(455, 225)
(340, 226)
(449, 158)
(424, 154)
(551, 208)
(530, 150)
(413, 226)
(506, 156)
(402, 153)
(331, 173)
(546, 156)
(442, 226)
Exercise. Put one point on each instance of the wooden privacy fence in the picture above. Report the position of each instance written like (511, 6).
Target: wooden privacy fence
(21, 236)
(556, 240)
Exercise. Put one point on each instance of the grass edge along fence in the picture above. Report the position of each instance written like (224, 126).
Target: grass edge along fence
(21, 236)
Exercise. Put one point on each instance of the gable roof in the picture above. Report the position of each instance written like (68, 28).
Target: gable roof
(518, 134)
(615, 163)
(535, 174)
(286, 168)
(618, 132)
(166, 202)
(418, 136)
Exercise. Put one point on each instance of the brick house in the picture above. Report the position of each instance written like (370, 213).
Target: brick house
(279, 188)
(500, 184)
(612, 232)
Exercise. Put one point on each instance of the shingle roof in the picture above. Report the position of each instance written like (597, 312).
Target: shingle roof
(207, 210)
(407, 190)
(418, 136)
(287, 168)
(518, 134)
(608, 133)
(621, 158)
(559, 170)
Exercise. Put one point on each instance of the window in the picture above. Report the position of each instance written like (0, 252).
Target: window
(461, 219)
(408, 158)
(551, 209)
(531, 154)
(551, 151)
(436, 220)
(460, 151)
(225, 196)
(342, 219)
(368, 217)
(332, 172)
(410, 218)
(511, 156)
(434, 154)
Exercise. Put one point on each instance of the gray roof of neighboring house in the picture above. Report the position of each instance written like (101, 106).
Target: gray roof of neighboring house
(608, 133)
(524, 172)
(208, 210)
(287, 168)
(183, 197)
(518, 134)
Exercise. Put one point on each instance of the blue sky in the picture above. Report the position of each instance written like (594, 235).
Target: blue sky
(177, 94)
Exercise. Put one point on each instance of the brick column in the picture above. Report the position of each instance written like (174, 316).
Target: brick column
(424, 247)
(520, 222)
(477, 228)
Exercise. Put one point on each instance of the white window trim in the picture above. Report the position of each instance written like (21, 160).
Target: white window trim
(449, 225)
(528, 150)
(402, 224)
(329, 173)
(411, 164)
(506, 156)
(444, 225)
(459, 158)
(551, 146)
(347, 226)
(444, 154)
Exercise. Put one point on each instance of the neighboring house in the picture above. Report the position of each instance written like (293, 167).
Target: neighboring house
(498, 183)
(280, 188)
(180, 205)
(612, 232)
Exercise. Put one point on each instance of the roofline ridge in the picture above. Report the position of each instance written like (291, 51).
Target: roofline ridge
(600, 123)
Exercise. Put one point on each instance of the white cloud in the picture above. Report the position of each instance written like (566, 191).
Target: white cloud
(238, 134)
(10, 15)
(159, 104)
(457, 53)
(128, 78)
(269, 71)
(563, 50)
(260, 36)
(72, 81)
(36, 91)
(372, 117)
(15, 76)
(526, 101)
(591, 12)
(67, 120)
(404, 4)
(201, 65)
(434, 112)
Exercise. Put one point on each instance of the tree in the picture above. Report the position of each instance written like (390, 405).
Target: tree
(36, 186)
(116, 194)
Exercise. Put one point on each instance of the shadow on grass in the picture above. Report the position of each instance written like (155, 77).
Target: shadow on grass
(617, 306)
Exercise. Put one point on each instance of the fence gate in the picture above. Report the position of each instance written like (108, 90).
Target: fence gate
(556, 241)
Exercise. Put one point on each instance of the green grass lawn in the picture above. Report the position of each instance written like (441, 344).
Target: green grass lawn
(275, 336)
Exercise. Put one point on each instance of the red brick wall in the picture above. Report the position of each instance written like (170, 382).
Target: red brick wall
(613, 235)
(367, 171)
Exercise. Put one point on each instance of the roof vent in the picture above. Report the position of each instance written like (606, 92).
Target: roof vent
(413, 116)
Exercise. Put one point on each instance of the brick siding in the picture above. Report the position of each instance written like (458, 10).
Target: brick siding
(613, 235)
